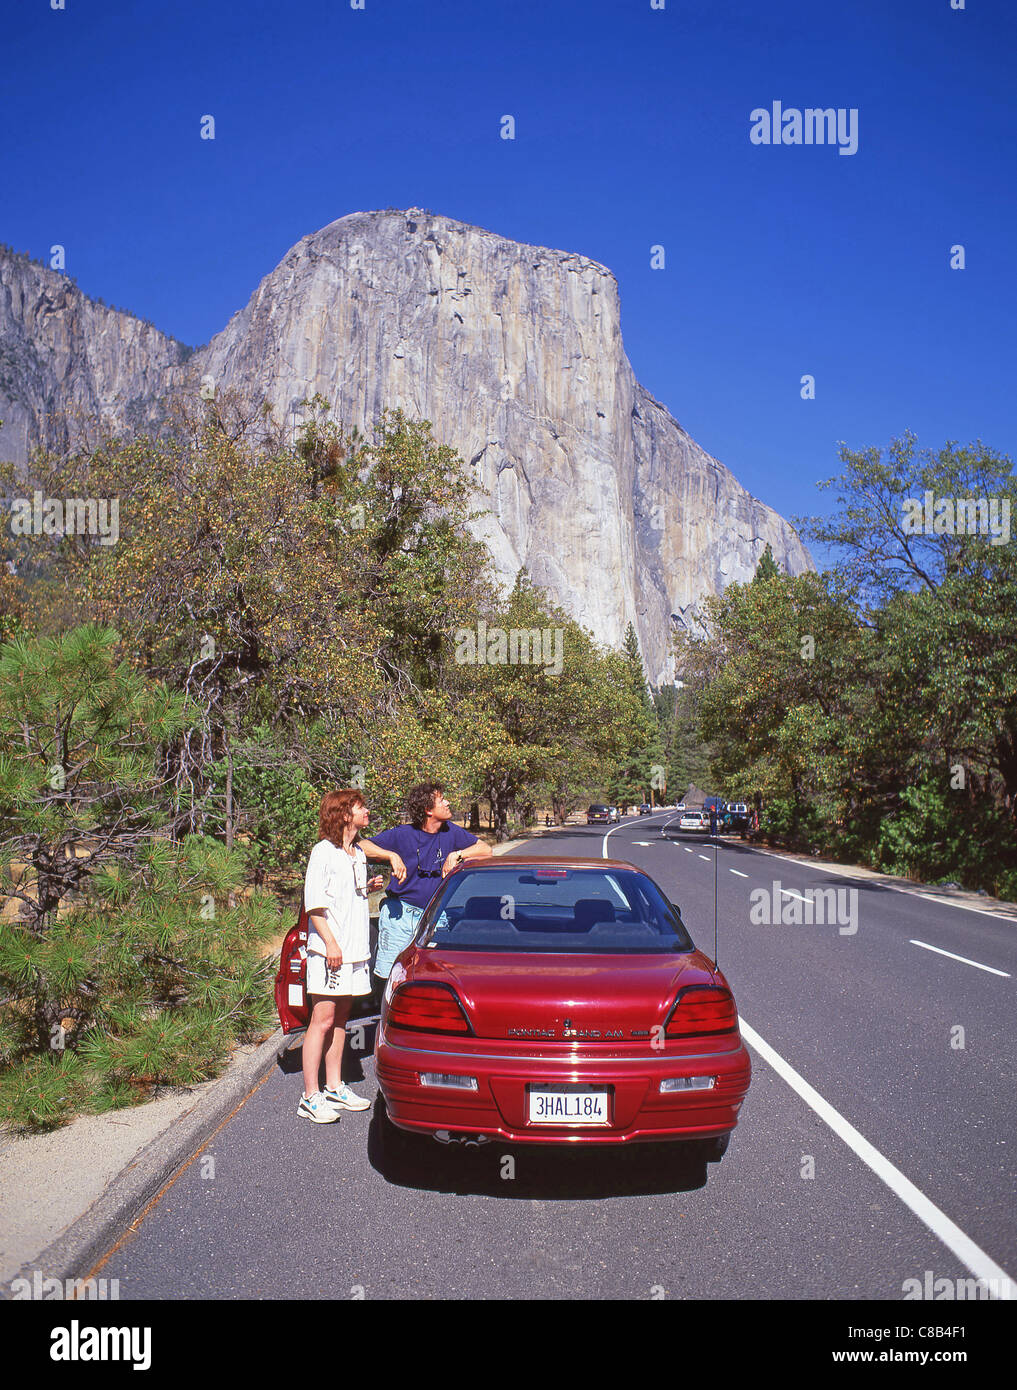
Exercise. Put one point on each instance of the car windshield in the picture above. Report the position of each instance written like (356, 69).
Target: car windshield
(536, 909)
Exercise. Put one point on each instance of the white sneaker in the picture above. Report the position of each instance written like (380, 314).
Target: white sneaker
(345, 1099)
(318, 1108)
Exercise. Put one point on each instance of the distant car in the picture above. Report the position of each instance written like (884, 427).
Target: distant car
(734, 822)
(586, 1016)
(645, 809)
(615, 813)
(694, 820)
(737, 808)
(598, 815)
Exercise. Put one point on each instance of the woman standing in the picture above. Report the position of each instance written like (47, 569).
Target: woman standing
(338, 949)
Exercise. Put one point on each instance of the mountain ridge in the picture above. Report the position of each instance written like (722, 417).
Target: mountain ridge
(514, 352)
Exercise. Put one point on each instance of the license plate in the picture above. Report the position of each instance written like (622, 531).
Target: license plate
(568, 1105)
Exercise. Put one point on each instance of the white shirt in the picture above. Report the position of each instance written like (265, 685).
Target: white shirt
(338, 883)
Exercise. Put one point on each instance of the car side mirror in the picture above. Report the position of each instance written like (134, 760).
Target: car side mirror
(677, 909)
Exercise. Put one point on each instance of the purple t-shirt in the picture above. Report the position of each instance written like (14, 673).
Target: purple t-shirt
(423, 856)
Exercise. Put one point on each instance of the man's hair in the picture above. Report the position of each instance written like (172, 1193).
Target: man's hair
(420, 799)
(336, 813)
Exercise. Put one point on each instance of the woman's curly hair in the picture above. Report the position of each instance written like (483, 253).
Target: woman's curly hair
(336, 813)
(420, 799)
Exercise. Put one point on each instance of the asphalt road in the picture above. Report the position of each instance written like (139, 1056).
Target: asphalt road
(278, 1207)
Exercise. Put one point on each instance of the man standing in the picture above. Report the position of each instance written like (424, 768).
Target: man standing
(430, 846)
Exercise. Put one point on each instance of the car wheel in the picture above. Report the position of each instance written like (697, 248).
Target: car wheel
(395, 1150)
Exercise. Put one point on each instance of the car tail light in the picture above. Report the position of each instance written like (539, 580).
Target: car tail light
(427, 1009)
(702, 1009)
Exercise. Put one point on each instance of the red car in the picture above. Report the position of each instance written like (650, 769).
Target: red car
(291, 1000)
(558, 1002)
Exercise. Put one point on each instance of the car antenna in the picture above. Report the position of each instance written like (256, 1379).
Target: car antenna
(715, 872)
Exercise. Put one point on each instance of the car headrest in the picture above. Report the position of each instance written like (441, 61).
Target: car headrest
(590, 910)
(482, 909)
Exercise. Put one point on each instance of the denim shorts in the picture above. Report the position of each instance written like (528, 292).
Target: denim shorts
(397, 926)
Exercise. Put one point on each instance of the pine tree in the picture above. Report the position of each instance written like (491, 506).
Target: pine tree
(134, 962)
(767, 567)
(641, 771)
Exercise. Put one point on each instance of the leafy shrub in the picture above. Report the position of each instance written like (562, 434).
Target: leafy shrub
(940, 834)
(276, 806)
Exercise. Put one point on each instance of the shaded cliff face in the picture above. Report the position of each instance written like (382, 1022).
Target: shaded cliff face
(513, 352)
(66, 362)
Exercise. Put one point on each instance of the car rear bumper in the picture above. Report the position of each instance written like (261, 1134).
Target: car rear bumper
(637, 1109)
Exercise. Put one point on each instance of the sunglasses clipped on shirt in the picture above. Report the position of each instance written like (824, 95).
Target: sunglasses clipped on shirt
(431, 873)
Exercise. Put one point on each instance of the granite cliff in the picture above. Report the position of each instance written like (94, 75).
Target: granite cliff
(515, 354)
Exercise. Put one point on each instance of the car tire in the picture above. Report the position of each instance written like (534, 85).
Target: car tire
(399, 1150)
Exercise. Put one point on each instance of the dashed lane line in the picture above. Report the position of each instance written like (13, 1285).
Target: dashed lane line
(963, 959)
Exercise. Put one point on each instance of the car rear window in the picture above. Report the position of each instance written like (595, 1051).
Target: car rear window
(554, 910)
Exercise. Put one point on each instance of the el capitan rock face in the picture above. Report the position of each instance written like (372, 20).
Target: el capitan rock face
(514, 353)
(62, 354)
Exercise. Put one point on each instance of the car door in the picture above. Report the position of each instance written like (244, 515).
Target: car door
(291, 979)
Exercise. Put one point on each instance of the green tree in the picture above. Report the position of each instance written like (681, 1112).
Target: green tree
(557, 720)
(767, 567)
(944, 599)
(772, 689)
(133, 962)
(686, 756)
(299, 588)
(640, 771)
(82, 776)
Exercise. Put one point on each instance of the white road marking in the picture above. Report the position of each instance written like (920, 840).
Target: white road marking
(604, 853)
(789, 893)
(642, 842)
(738, 872)
(981, 1265)
(977, 964)
(891, 887)
(707, 858)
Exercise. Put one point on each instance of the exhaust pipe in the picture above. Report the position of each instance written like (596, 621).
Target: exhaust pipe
(470, 1141)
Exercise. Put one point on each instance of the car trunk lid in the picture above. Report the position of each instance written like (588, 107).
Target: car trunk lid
(558, 997)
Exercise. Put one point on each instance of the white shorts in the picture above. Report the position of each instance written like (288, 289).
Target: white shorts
(350, 979)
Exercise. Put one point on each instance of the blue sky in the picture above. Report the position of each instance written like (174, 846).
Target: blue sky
(632, 130)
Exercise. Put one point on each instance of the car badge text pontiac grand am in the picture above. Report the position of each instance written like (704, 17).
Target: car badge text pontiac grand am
(569, 1032)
